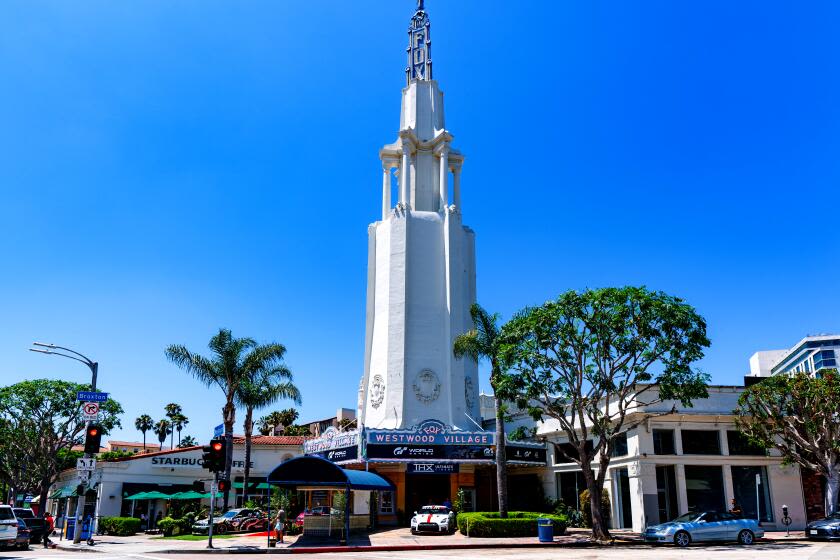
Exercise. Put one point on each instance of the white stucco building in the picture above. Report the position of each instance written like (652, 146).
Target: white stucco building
(669, 463)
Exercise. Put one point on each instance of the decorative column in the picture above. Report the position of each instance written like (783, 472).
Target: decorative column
(444, 168)
(456, 185)
(386, 188)
(404, 173)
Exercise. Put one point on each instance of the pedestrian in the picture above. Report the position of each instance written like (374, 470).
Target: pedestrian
(736, 509)
(447, 503)
(49, 527)
(280, 524)
(144, 522)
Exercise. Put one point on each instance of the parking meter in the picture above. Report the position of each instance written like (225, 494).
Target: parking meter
(786, 520)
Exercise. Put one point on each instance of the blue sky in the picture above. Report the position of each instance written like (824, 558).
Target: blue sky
(167, 169)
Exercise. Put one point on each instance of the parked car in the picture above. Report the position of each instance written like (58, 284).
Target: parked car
(251, 522)
(36, 525)
(225, 523)
(824, 529)
(705, 526)
(8, 526)
(24, 534)
(433, 519)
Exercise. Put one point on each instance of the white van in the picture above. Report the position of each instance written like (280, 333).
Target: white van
(8, 526)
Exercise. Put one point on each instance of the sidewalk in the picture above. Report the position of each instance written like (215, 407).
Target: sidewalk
(384, 540)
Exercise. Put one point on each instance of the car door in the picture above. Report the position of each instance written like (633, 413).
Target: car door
(708, 528)
(731, 526)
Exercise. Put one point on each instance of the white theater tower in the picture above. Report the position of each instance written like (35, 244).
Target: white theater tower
(421, 267)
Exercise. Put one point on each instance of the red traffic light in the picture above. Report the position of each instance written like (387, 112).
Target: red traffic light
(217, 445)
(93, 431)
(223, 485)
(93, 436)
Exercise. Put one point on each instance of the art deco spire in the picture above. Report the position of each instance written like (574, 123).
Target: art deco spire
(419, 46)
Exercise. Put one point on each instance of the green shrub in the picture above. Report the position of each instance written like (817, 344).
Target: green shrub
(517, 524)
(170, 527)
(119, 526)
(586, 508)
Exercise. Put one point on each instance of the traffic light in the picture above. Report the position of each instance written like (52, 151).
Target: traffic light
(223, 485)
(214, 455)
(93, 436)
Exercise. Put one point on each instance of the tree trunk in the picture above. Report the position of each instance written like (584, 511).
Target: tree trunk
(599, 528)
(249, 430)
(229, 416)
(501, 465)
(832, 489)
(144, 441)
(172, 440)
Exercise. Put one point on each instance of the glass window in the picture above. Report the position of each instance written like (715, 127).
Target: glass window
(666, 490)
(569, 487)
(6, 513)
(744, 485)
(700, 442)
(569, 450)
(663, 442)
(386, 502)
(619, 448)
(740, 445)
(704, 488)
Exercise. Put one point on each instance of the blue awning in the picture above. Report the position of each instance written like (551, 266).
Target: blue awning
(315, 471)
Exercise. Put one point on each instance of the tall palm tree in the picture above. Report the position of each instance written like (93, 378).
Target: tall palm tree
(287, 417)
(163, 428)
(179, 422)
(144, 423)
(172, 410)
(233, 361)
(482, 342)
(264, 388)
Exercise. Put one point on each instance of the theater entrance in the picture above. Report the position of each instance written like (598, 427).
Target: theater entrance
(426, 489)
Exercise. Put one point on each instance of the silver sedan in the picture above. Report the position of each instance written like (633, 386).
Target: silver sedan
(705, 526)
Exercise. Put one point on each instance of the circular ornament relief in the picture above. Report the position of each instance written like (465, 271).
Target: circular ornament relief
(426, 386)
(377, 391)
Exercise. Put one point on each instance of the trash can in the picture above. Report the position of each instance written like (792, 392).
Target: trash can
(71, 528)
(545, 530)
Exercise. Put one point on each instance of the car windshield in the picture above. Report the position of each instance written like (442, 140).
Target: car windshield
(24, 513)
(434, 509)
(6, 513)
(835, 515)
(687, 517)
(230, 514)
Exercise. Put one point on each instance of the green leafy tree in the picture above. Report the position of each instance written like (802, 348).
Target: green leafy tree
(483, 343)
(589, 357)
(188, 441)
(173, 410)
(162, 429)
(40, 421)
(144, 423)
(264, 388)
(233, 361)
(800, 415)
(296, 430)
(346, 424)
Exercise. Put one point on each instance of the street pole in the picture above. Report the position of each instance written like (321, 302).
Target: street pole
(94, 370)
(757, 498)
(213, 486)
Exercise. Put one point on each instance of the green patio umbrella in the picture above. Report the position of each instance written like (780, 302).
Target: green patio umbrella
(138, 496)
(189, 495)
(155, 495)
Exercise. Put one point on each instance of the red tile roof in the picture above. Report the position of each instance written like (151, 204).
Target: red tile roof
(271, 440)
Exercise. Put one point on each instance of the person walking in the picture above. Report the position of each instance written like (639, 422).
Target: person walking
(49, 527)
(735, 508)
(280, 524)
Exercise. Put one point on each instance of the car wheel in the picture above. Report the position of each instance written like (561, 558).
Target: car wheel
(682, 539)
(23, 546)
(413, 531)
(220, 530)
(746, 537)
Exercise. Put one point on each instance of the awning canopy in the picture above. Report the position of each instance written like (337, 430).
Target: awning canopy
(252, 485)
(315, 471)
(65, 492)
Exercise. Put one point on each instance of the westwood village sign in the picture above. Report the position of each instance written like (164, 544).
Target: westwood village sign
(333, 445)
(430, 441)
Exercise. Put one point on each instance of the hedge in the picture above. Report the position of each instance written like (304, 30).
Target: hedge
(119, 526)
(517, 524)
(170, 526)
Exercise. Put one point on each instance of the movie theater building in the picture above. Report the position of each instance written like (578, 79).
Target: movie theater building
(169, 472)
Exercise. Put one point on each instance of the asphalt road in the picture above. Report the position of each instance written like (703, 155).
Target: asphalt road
(779, 551)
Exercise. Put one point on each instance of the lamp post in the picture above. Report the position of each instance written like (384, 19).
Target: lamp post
(94, 369)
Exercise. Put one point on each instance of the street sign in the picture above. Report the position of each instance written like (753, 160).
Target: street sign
(218, 430)
(90, 411)
(84, 476)
(90, 396)
(85, 464)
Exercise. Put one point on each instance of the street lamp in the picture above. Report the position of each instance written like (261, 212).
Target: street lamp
(94, 369)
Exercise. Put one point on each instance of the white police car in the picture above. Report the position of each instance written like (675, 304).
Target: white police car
(433, 519)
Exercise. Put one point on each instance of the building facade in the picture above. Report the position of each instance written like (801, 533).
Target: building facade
(811, 355)
(673, 459)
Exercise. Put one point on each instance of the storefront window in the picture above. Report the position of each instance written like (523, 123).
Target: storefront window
(570, 452)
(701, 442)
(744, 486)
(704, 488)
(619, 445)
(569, 487)
(740, 445)
(386, 502)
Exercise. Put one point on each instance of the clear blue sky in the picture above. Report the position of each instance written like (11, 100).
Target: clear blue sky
(167, 169)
